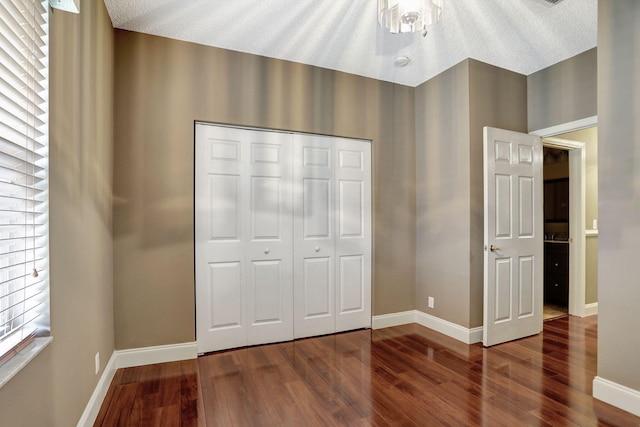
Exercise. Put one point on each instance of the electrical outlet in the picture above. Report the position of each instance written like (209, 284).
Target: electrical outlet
(431, 302)
(97, 362)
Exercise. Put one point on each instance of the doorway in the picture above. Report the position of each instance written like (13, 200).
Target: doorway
(553, 137)
(501, 288)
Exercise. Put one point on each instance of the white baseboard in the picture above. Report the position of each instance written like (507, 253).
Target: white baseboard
(158, 354)
(590, 309)
(617, 395)
(129, 358)
(475, 335)
(467, 336)
(95, 402)
(393, 319)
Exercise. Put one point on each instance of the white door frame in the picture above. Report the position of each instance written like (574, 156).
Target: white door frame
(577, 217)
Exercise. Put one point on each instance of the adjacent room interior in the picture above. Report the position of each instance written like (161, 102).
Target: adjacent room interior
(556, 232)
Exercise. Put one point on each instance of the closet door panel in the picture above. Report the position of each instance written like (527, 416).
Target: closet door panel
(266, 215)
(270, 247)
(314, 257)
(352, 286)
(316, 216)
(226, 286)
(244, 232)
(316, 288)
(283, 236)
(353, 234)
(220, 237)
(266, 279)
(270, 312)
(351, 209)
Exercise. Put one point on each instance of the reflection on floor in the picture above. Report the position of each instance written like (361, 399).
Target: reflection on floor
(552, 311)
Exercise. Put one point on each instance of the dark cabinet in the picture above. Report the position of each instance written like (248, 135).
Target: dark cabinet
(556, 273)
(556, 200)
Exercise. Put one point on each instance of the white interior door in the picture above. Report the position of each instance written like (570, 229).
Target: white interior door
(243, 224)
(353, 234)
(513, 234)
(314, 236)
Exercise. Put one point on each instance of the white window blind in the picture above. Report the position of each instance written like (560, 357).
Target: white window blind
(24, 283)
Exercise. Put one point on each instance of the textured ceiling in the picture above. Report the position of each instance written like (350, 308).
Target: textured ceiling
(520, 35)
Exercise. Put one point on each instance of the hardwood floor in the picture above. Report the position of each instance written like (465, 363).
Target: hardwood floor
(166, 394)
(401, 376)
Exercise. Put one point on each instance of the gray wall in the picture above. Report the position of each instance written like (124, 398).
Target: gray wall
(161, 87)
(563, 92)
(55, 387)
(498, 98)
(443, 195)
(619, 191)
(451, 111)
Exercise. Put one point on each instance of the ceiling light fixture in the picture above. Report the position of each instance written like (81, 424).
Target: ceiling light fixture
(66, 5)
(408, 16)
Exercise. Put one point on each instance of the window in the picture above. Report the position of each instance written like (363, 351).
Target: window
(24, 278)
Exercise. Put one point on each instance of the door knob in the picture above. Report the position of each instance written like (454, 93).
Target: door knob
(266, 251)
(317, 248)
(494, 248)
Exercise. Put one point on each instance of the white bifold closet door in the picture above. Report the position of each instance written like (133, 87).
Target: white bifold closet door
(332, 235)
(282, 236)
(243, 237)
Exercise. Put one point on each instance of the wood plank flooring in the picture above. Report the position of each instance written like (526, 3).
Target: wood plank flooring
(401, 376)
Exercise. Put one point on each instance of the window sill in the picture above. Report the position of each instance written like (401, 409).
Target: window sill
(20, 360)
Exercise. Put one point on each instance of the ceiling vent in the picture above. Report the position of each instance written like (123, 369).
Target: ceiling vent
(548, 2)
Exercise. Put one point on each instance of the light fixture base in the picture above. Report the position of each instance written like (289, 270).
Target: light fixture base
(408, 16)
(66, 5)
